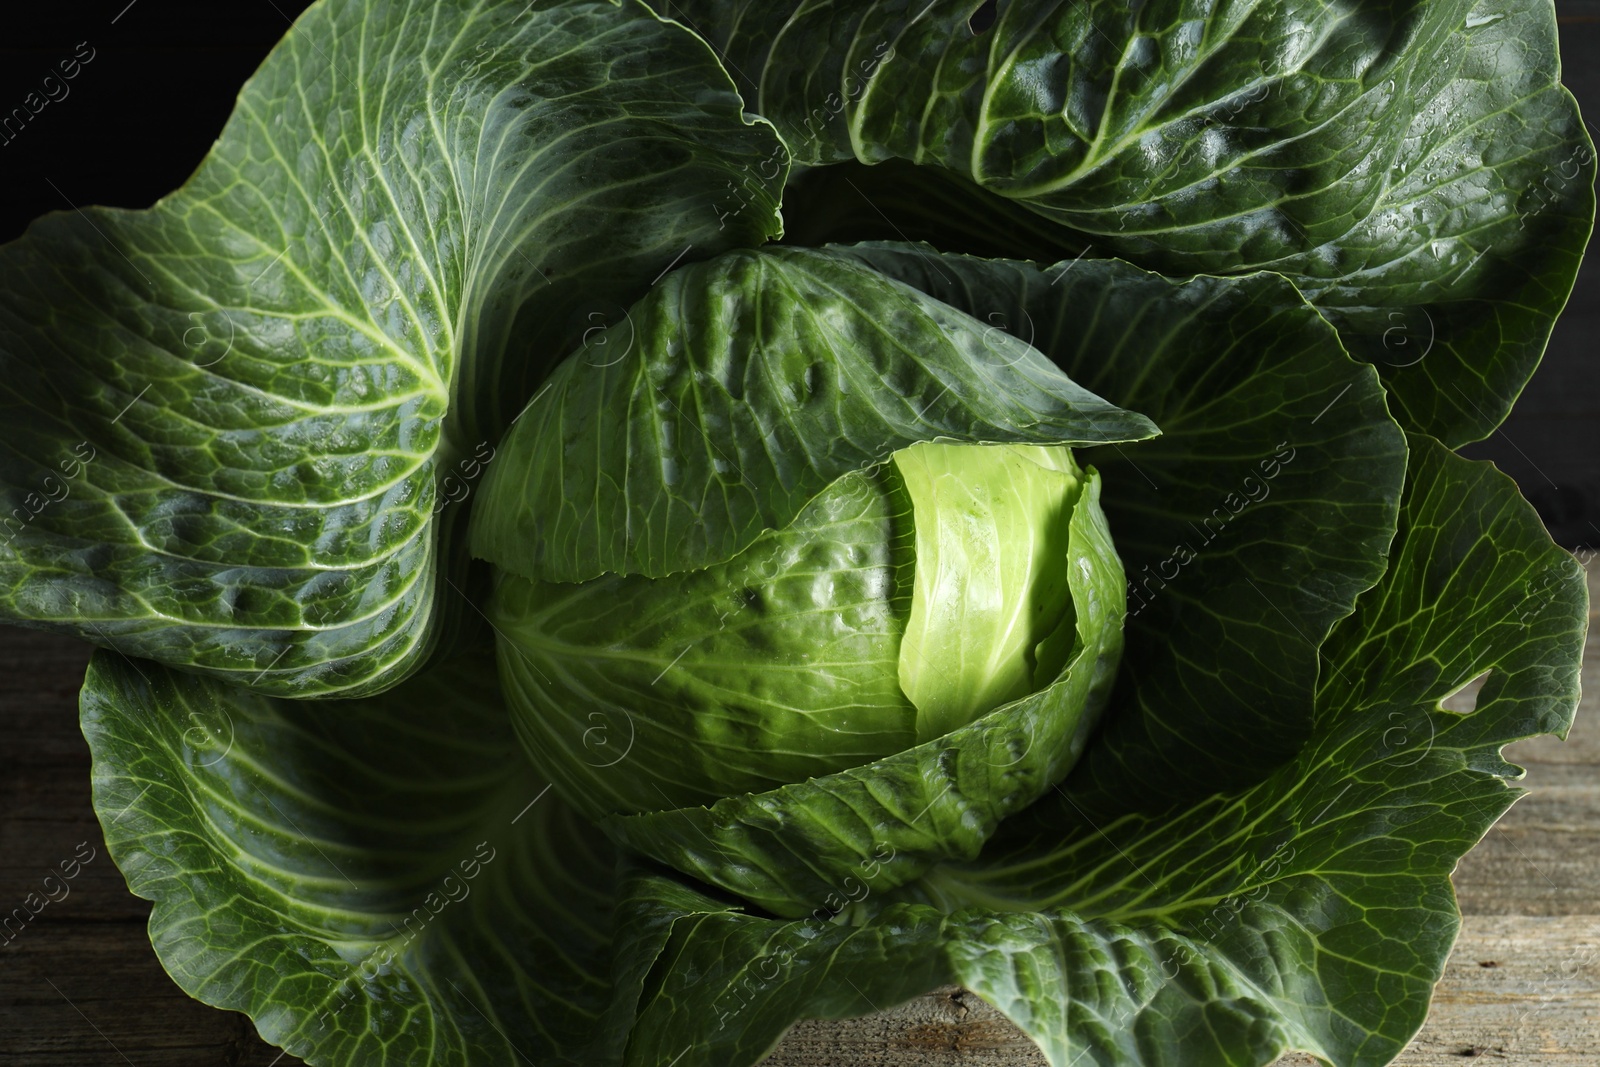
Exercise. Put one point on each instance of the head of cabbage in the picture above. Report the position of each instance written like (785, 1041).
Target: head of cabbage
(714, 651)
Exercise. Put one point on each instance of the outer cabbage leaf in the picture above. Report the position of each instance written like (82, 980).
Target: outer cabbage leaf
(1310, 912)
(1416, 169)
(1247, 529)
(224, 418)
(377, 881)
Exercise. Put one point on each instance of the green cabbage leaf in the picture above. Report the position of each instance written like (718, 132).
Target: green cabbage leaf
(236, 422)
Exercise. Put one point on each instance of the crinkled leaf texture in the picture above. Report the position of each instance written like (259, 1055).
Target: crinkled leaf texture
(224, 418)
(287, 850)
(1416, 169)
(734, 394)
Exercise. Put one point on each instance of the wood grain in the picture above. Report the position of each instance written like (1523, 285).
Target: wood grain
(81, 984)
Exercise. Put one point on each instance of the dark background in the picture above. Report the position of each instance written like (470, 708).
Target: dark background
(1551, 442)
(141, 114)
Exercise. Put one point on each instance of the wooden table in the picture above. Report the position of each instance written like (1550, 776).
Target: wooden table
(81, 985)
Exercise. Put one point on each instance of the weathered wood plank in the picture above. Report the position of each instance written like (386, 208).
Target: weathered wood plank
(1518, 989)
(45, 810)
(1543, 858)
(75, 993)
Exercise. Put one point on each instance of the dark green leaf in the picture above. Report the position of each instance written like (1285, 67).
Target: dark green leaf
(1416, 169)
(380, 881)
(225, 418)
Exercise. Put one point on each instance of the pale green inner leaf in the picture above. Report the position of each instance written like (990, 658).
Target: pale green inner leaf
(990, 588)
